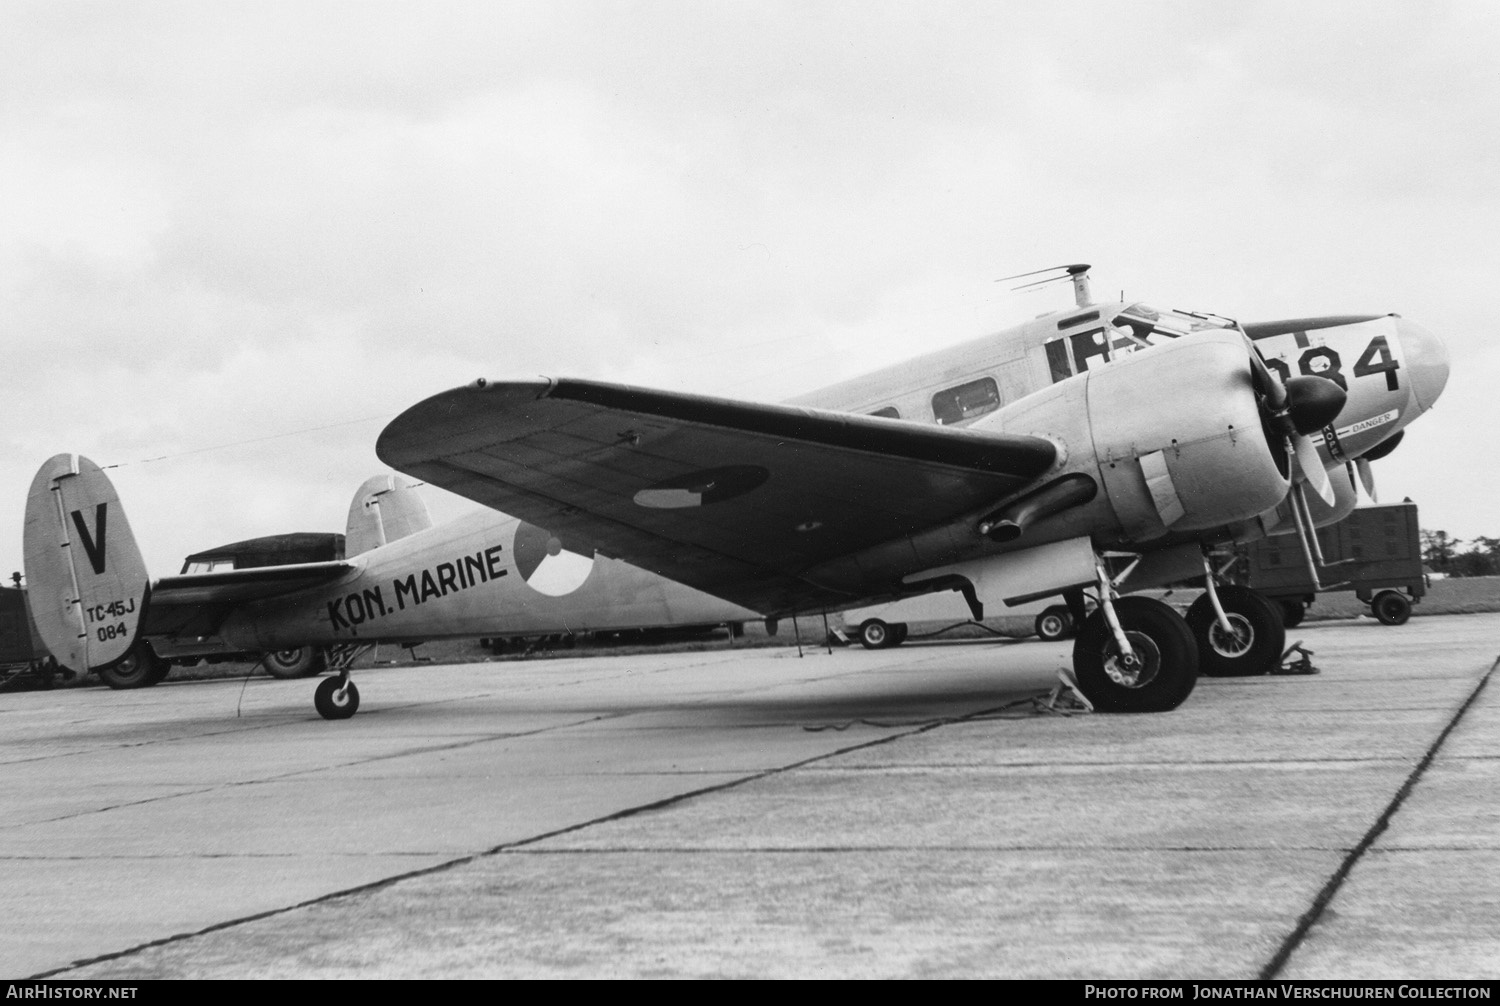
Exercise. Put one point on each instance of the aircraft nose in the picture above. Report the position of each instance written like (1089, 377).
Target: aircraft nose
(1426, 361)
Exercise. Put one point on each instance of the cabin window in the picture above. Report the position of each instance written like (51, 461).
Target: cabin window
(889, 412)
(966, 401)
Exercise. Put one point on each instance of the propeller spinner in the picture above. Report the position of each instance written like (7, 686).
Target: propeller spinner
(1296, 409)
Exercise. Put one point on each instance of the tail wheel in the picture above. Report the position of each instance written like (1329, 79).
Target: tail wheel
(874, 634)
(297, 662)
(1252, 647)
(138, 668)
(1054, 623)
(1391, 608)
(336, 699)
(1158, 677)
(1292, 613)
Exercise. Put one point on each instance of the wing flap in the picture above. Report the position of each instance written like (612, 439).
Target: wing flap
(735, 498)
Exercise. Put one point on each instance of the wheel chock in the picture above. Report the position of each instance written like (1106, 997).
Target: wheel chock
(1065, 698)
(1301, 663)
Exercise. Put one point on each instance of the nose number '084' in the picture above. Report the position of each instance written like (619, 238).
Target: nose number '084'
(1324, 361)
(111, 631)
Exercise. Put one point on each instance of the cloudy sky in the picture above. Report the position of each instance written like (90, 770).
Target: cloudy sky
(237, 238)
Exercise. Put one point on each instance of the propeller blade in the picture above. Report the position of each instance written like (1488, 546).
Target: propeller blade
(1366, 477)
(1312, 468)
(1266, 383)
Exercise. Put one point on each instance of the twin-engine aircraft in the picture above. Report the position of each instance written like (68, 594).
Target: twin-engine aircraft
(1106, 448)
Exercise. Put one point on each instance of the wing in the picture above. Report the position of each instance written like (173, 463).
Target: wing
(743, 501)
(195, 604)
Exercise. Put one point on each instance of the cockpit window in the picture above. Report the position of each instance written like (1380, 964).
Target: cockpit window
(1146, 326)
(1138, 326)
(208, 565)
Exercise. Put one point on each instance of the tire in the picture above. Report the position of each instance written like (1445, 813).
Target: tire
(1054, 623)
(326, 700)
(139, 668)
(1390, 608)
(1292, 613)
(295, 662)
(898, 633)
(159, 672)
(1160, 636)
(1259, 639)
(874, 634)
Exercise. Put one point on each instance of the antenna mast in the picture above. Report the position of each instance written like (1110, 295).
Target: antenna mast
(1078, 273)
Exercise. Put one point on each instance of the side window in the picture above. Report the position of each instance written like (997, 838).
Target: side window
(966, 401)
(888, 412)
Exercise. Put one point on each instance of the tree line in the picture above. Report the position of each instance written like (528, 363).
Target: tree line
(1440, 551)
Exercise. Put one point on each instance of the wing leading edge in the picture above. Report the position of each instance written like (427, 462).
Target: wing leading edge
(744, 501)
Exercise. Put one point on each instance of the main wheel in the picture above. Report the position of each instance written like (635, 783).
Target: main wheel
(139, 668)
(333, 706)
(1292, 612)
(898, 633)
(1054, 623)
(874, 634)
(1161, 674)
(296, 662)
(1255, 645)
(1391, 608)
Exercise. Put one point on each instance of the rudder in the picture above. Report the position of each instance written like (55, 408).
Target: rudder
(87, 580)
(385, 509)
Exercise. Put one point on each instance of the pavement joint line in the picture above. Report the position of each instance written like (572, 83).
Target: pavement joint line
(1331, 888)
(1399, 850)
(1064, 765)
(309, 770)
(153, 857)
(506, 846)
(127, 745)
(1143, 850)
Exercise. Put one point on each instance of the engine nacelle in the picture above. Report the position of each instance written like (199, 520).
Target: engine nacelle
(1173, 435)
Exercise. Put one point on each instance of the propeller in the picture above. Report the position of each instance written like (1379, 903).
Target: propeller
(1361, 464)
(1296, 409)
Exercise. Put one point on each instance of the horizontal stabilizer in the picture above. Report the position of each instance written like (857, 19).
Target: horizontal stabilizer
(195, 604)
(87, 581)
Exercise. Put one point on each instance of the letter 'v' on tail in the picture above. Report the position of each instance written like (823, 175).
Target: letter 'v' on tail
(85, 577)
